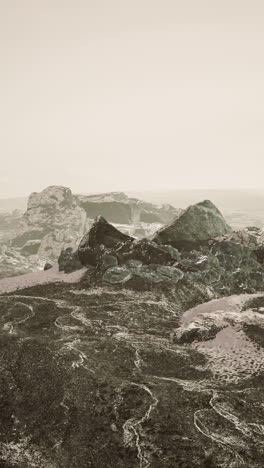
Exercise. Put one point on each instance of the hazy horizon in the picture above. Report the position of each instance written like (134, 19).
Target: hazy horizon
(150, 192)
(131, 96)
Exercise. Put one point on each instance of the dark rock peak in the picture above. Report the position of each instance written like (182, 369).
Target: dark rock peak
(104, 239)
(104, 232)
(101, 239)
(207, 204)
(197, 224)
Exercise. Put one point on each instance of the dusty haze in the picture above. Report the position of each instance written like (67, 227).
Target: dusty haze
(131, 95)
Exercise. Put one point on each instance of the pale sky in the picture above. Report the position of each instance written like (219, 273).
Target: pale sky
(105, 95)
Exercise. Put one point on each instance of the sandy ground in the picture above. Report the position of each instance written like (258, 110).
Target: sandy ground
(225, 304)
(231, 355)
(39, 277)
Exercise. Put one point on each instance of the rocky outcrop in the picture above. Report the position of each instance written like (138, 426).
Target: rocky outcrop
(53, 220)
(56, 220)
(225, 266)
(102, 239)
(69, 261)
(195, 226)
(251, 237)
(152, 273)
(118, 208)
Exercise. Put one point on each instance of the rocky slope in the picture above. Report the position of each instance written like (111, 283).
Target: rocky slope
(117, 375)
(225, 264)
(138, 360)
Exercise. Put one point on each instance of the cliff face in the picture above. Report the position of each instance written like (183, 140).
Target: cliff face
(53, 220)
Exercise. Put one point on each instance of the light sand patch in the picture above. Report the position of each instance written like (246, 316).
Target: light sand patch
(232, 355)
(39, 277)
(217, 306)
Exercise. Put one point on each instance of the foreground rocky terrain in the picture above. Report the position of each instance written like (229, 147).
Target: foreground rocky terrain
(114, 376)
(147, 356)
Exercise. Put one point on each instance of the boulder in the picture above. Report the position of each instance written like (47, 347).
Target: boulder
(147, 251)
(117, 275)
(152, 273)
(228, 267)
(68, 261)
(108, 261)
(196, 225)
(103, 238)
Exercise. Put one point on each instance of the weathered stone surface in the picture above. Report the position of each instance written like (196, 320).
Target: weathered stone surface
(108, 261)
(174, 253)
(158, 273)
(117, 274)
(68, 261)
(196, 225)
(228, 267)
(134, 263)
(103, 238)
(223, 265)
(146, 251)
(250, 237)
(53, 219)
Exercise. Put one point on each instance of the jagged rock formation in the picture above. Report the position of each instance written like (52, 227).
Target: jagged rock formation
(104, 241)
(103, 238)
(56, 219)
(196, 225)
(225, 266)
(53, 221)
